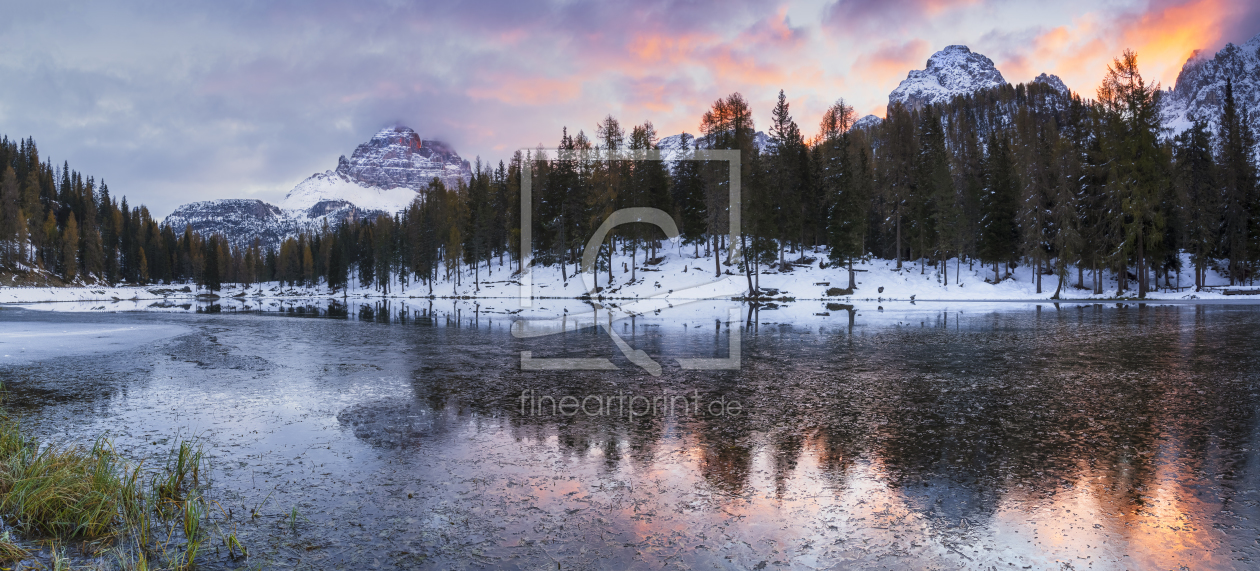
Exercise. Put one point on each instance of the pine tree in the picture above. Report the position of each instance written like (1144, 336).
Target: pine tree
(843, 175)
(12, 220)
(1137, 175)
(1238, 178)
(998, 231)
(941, 214)
(211, 278)
(308, 265)
(728, 125)
(70, 249)
(689, 194)
(895, 159)
(784, 180)
(1198, 196)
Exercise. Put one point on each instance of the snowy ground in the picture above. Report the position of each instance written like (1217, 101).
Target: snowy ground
(22, 295)
(680, 277)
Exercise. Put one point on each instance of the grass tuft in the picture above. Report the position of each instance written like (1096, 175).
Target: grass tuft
(65, 492)
(9, 551)
(73, 492)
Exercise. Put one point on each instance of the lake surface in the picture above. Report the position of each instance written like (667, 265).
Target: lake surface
(1006, 436)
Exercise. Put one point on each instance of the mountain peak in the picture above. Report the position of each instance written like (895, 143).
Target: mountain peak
(1200, 89)
(953, 71)
(1054, 82)
(396, 157)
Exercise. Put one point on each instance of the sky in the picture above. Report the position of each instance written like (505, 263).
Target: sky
(172, 103)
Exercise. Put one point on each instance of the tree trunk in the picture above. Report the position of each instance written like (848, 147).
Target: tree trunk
(717, 257)
(922, 254)
(899, 240)
(1062, 274)
(1144, 275)
(743, 240)
(851, 286)
(1037, 269)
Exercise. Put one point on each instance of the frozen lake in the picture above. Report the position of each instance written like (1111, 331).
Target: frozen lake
(1077, 436)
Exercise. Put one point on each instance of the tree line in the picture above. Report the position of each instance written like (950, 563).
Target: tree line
(1021, 174)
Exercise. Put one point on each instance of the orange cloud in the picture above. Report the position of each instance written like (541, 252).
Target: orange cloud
(1165, 39)
(888, 65)
(1163, 36)
(528, 90)
(657, 48)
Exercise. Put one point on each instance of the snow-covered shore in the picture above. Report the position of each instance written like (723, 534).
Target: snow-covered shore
(679, 276)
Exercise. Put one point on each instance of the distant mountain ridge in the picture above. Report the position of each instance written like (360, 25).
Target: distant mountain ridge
(673, 146)
(382, 176)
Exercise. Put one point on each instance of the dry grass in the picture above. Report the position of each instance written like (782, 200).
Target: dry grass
(91, 494)
(68, 492)
(72, 492)
(10, 551)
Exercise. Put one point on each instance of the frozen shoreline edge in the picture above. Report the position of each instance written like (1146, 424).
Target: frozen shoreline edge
(876, 280)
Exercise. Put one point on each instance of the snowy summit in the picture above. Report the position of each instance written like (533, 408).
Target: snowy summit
(953, 71)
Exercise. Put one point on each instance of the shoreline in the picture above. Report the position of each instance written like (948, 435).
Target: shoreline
(682, 277)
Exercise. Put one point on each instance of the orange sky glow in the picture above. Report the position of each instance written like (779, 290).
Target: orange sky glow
(861, 54)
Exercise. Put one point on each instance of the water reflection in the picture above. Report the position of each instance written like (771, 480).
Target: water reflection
(1052, 436)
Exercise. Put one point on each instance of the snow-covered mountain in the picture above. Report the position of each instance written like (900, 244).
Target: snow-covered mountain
(1200, 89)
(953, 71)
(383, 175)
(238, 219)
(673, 145)
(1054, 82)
(867, 122)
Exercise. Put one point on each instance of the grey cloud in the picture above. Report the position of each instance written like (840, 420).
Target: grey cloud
(172, 104)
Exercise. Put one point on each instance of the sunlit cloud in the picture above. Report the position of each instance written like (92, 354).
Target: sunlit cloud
(888, 65)
(1163, 34)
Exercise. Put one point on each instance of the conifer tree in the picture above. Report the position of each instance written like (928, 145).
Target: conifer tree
(1198, 196)
(12, 220)
(843, 174)
(785, 182)
(1238, 179)
(1131, 110)
(70, 249)
(689, 194)
(998, 231)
